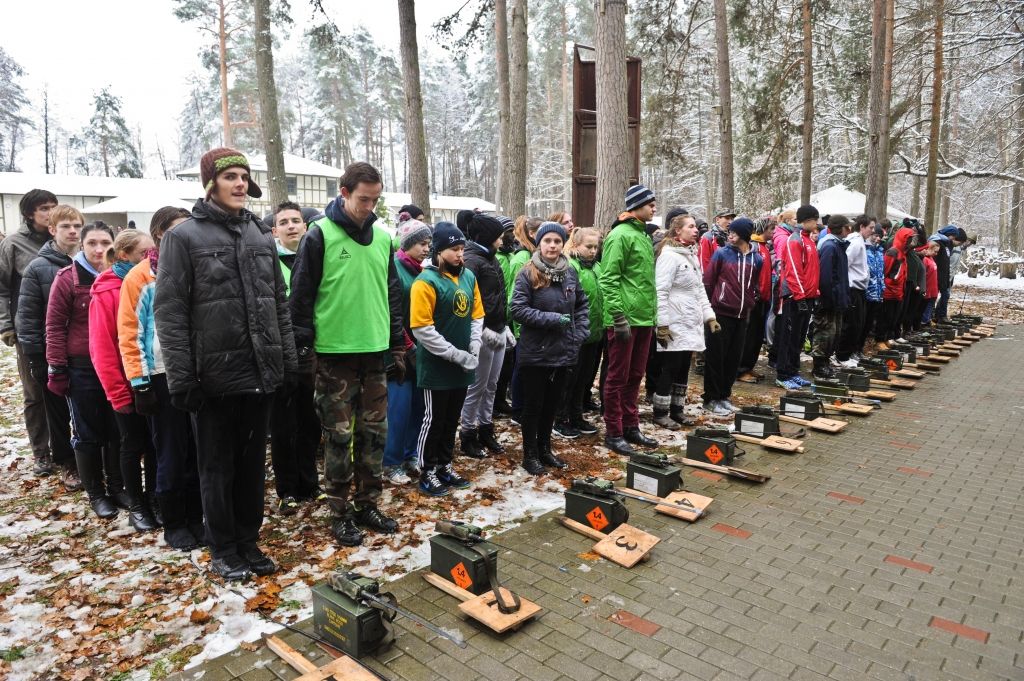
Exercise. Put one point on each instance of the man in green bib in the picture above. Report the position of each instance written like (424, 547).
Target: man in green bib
(347, 308)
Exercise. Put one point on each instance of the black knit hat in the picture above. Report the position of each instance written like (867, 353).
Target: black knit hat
(806, 212)
(412, 209)
(743, 227)
(447, 235)
(672, 214)
(462, 219)
(484, 229)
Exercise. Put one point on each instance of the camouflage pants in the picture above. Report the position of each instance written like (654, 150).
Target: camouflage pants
(352, 395)
(827, 324)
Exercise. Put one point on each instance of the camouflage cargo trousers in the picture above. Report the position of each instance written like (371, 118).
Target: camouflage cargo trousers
(827, 324)
(352, 401)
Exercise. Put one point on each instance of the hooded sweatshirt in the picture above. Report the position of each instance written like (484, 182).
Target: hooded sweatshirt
(895, 264)
(732, 280)
(799, 267)
(103, 339)
(67, 315)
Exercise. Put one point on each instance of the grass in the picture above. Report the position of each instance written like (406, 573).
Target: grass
(12, 654)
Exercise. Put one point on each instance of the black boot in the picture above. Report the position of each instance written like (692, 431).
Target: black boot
(547, 457)
(90, 469)
(469, 443)
(487, 439)
(661, 408)
(634, 436)
(43, 465)
(154, 508)
(139, 516)
(176, 532)
(619, 445)
(113, 479)
(531, 462)
(677, 405)
(193, 502)
(138, 508)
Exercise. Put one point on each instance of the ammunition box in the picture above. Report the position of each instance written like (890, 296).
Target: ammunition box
(716, 450)
(855, 379)
(893, 359)
(350, 626)
(876, 368)
(602, 513)
(800, 407)
(907, 350)
(657, 480)
(757, 425)
(462, 565)
(831, 390)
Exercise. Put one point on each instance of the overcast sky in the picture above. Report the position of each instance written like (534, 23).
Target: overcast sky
(145, 55)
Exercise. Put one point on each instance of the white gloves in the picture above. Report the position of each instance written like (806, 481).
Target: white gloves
(493, 339)
(510, 338)
(466, 360)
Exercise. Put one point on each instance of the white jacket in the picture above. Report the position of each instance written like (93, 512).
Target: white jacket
(682, 300)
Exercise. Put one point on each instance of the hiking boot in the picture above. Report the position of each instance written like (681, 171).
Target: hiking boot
(488, 440)
(371, 518)
(679, 416)
(584, 426)
(103, 506)
(69, 478)
(501, 408)
(42, 464)
(548, 458)
(564, 430)
(469, 444)
(260, 564)
(231, 568)
(346, 531)
(430, 484)
(634, 436)
(661, 417)
(619, 445)
(447, 475)
(664, 421)
(288, 506)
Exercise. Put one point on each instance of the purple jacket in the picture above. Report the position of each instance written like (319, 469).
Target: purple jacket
(732, 281)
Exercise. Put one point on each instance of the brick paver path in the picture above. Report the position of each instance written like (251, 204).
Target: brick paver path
(890, 551)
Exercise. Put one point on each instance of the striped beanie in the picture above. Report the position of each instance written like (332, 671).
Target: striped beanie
(638, 196)
(216, 161)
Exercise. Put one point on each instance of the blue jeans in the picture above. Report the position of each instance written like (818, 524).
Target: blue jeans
(405, 416)
(942, 305)
(929, 306)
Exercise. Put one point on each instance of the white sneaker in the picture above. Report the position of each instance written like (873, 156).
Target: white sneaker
(396, 475)
(850, 364)
(834, 361)
(719, 409)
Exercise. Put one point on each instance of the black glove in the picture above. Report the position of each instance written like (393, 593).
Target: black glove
(38, 368)
(396, 370)
(146, 402)
(191, 400)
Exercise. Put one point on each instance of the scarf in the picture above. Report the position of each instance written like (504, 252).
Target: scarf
(121, 268)
(81, 260)
(410, 264)
(555, 272)
(586, 263)
(153, 255)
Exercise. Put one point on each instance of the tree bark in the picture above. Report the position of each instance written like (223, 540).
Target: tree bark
(515, 200)
(504, 99)
(808, 126)
(915, 201)
(222, 47)
(1015, 227)
(612, 124)
(46, 129)
(270, 121)
(877, 183)
(935, 128)
(724, 105)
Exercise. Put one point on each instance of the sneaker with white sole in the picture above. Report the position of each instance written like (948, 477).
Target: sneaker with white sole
(397, 475)
(788, 384)
(719, 409)
(802, 381)
(849, 364)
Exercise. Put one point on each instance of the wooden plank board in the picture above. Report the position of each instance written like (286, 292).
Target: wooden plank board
(903, 383)
(590, 532)
(848, 408)
(776, 442)
(935, 357)
(732, 471)
(626, 545)
(698, 501)
(821, 423)
(343, 668)
(883, 395)
(906, 372)
(484, 608)
(879, 383)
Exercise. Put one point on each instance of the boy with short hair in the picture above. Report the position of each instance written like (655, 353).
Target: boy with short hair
(799, 292)
(834, 286)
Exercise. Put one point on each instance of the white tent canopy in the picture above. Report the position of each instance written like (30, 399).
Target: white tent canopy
(839, 200)
(138, 208)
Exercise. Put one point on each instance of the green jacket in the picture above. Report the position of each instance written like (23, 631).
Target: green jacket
(627, 275)
(588, 281)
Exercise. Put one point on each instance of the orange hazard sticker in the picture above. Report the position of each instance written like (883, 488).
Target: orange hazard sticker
(714, 454)
(597, 519)
(461, 576)
(891, 363)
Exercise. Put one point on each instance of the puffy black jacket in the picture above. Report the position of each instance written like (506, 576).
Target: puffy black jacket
(220, 306)
(30, 318)
(491, 282)
(543, 340)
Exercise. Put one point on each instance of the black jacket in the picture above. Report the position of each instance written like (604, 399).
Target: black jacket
(308, 271)
(543, 341)
(491, 282)
(220, 306)
(30, 318)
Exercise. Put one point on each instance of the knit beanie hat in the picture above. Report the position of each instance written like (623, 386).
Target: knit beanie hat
(672, 214)
(447, 235)
(743, 227)
(412, 232)
(507, 223)
(462, 219)
(484, 229)
(806, 212)
(638, 196)
(412, 209)
(548, 228)
(216, 161)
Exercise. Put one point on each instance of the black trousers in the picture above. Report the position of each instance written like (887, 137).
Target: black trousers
(653, 365)
(175, 442)
(231, 439)
(888, 321)
(579, 380)
(722, 357)
(136, 449)
(294, 438)
(789, 336)
(872, 320)
(58, 426)
(542, 388)
(440, 421)
(505, 377)
(675, 370)
(755, 338)
(852, 334)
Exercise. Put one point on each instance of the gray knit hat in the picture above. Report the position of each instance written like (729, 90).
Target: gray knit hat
(638, 196)
(412, 231)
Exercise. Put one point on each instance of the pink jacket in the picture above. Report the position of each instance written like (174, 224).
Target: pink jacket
(103, 343)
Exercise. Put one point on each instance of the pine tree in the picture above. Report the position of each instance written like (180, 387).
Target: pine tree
(13, 121)
(107, 140)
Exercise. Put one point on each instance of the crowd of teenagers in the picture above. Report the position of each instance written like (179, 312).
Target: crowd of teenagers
(155, 364)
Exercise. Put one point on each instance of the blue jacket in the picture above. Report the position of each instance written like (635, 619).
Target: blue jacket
(833, 273)
(876, 268)
(732, 281)
(543, 340)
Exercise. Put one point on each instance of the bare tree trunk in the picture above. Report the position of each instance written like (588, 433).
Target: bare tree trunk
(222, 46)
(504, 99)
(931, 184)
(270, 122)
(612, 124)
(46, 129)
(915, 200)
(515, 199)
(808, 126)
(1015, 226)
(949, 134)
(724, 104)
(391, 152)
(565, 118)
(877, 183)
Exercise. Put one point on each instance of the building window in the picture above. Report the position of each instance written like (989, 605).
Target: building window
(293, 185)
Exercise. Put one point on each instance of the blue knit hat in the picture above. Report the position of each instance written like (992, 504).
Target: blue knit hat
(447, 235)
(638, 196)
(548, 228)
(743, 227)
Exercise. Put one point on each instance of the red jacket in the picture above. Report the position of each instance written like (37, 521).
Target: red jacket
(931, 277)
(800, 267)
(764, 287)
(706, 247)
(895, 264)
(103, 343)
(67, 315)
